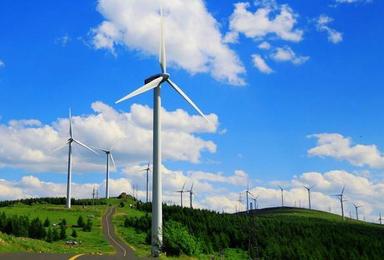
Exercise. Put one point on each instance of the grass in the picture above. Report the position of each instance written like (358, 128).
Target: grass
(91, 242)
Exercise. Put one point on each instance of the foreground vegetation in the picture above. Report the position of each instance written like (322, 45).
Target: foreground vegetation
(280, 233)
(49, 236)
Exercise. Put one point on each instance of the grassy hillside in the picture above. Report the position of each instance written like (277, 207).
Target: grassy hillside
(92, 242)
(275, 233)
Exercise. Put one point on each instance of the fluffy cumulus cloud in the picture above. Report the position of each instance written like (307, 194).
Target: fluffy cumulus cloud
(31, 186)
(337, 146)
(220, 192)
(194, 41)
(322, 24)
(286, 54)
(30, 144)
(260, 64)
(269, 19)
(2, 64)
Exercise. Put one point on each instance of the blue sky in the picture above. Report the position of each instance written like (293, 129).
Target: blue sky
(51, 62)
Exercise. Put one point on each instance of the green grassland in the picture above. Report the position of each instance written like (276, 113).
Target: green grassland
(91, 242)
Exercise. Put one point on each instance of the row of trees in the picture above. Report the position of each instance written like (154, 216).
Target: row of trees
(265, 236)
(54, 201)
(21, 226)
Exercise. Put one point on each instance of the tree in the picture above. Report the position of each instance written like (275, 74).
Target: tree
(80, 221)
(122, 204)
(55, 235)
(88, 226)
(63, 222)
(74, 233)
(47, 223)
(36, 229)
(49, 235)
(63, 234)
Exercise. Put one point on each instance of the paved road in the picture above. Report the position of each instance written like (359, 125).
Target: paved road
(123, 251)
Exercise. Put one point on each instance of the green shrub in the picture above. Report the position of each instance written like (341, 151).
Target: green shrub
(177, 240)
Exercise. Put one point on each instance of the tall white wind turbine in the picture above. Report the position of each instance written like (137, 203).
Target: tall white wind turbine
(154, 82)
(69, 143)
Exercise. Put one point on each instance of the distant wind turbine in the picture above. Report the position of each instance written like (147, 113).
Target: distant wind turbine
(380, 218)
(147, 182)
(181, 195)
(309, 195)
(282, 196)
(190, 196)
(357, 210)
(109, 155)
(154, 82)
(69, 143)
(340, 196)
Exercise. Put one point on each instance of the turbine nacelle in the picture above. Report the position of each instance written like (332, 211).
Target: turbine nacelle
(165, 77)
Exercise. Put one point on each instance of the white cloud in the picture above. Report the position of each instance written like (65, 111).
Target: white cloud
(260, 64)
(31, 186)
(352, 1)
(194, 41)
(210, 193)
(322, 26)
(286, 54)
(63, 40)
(29, 144)
(2, 64)
(269, 19)
(341, 148)
(264, 45)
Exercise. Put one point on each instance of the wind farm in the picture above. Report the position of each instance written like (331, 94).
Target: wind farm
(284, 165)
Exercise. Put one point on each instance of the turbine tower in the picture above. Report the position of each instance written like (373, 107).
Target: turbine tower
(154, 82)
(181, 195)
(309, 195)
(109, 155)
(282, 196)
(380, 218)
(340, 197)
(69, 143)
(190, 196)
(357, 210)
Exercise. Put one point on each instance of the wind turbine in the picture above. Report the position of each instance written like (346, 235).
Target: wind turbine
(147, 182)
(340, 197)
(190, 195)
(380, 218)
(282, 196)
(357, 210)
(69, 143)
(181, 195)
(154, 82)
(309, 195)
(109, 155)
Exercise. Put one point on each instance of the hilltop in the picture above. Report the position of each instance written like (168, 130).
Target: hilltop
(272, 233)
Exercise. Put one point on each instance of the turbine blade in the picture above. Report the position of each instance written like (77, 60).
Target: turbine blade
(162, 54)
(181, 92)
(70, 123)
(60, 147)
(151, 85)
(342, 191)
(113, 160)
(85, 146)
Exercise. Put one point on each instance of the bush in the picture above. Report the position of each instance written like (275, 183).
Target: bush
(80, 221)
(177, 240)
(122, 204)
(47, 223)
(74, 233)
(88, 226)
